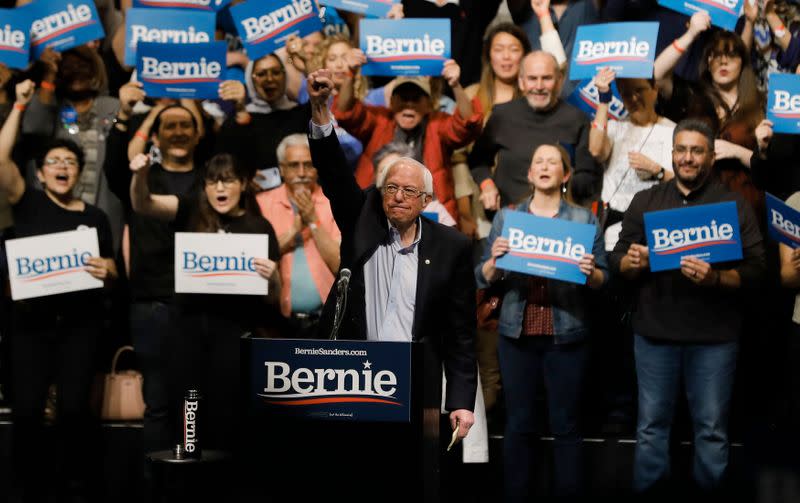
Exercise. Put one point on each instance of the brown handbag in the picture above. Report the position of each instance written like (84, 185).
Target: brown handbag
(122, 393)
(488, 309)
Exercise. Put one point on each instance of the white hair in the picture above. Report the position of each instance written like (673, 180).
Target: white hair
(293, 140)
(380, 178)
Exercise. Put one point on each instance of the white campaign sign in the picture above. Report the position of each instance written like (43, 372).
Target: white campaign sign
(219, 263)
(52, 263)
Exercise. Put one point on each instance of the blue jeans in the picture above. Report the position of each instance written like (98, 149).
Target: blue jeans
(523, 362)
(707, 370)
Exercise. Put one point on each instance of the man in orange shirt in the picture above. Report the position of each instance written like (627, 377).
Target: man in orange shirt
(307, 235)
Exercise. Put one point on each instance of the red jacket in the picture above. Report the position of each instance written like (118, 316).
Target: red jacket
(374, 127)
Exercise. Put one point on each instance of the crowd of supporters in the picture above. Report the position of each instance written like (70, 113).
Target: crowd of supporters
(81, 145)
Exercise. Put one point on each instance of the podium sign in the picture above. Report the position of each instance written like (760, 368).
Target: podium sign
(331, 380)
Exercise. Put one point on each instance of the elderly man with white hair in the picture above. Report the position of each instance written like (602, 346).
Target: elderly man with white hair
(410, 277)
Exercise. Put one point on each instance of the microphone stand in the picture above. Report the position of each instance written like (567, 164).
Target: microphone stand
(341, 305)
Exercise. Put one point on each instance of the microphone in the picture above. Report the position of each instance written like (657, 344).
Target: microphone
(344, 280)
(341, 301)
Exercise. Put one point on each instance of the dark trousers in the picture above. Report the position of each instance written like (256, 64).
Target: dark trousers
(523, 363)
(206, 356)
(151, 327)
(47, 348)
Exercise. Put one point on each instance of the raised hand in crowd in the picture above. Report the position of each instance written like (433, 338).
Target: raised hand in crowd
(666, 61)
(600, 144)
(296, 53)
(233, 91)
(50, 59)
(764, 136)
(24, 92)
(320, 87)
(355, 59)
(130, 94)
(396, 12)
(540, 7)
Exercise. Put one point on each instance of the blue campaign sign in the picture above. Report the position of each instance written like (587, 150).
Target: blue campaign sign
(166, 26)
(331, 380)
(547, 247)
(204, 5)
(369, 8)
(264, 25)
(627, 48)
(181, 71)
(63, 24)
(709, 232)
(15, 41)
(783, 102)
(585, 97)
(723, 13)
(405, 46)
(784, 222)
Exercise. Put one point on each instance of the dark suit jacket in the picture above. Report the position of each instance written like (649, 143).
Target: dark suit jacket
(444, 313)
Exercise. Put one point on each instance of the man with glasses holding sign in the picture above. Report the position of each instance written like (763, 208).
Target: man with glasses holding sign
(687, 321)
(411, 278)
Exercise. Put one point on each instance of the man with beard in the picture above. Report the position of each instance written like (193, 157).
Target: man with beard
(518, 127)
(687, 321)
(151, 259)
(307, 235)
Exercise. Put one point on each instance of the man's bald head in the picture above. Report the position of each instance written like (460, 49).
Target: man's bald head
(540, 79)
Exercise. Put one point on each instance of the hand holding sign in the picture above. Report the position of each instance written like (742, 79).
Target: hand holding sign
(452, 73)
(764, 134)
(265, 267)
(698, 23)
(796, 259)
(751, 10)
(500, 247)
(24, 91)
(586, 264)
(101, 268)
(699, 271)
(233, 91)
(396, 12)
(355, 59)
(603, 79)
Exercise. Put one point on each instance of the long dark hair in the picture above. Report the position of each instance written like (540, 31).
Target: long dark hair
(486, 86)
(221, 167)
(750, 101)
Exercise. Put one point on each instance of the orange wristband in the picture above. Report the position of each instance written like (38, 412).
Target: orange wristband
(486, 183)
(20, 106)
(677, 47)
(595, 125)
(49, 86)
(141, 135)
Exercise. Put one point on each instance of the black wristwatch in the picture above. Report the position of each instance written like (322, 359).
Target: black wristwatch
(660, 175)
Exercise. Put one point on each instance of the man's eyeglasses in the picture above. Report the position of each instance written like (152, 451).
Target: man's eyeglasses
(68, 161)
(269, 72)
(408, 192)
(695, 151)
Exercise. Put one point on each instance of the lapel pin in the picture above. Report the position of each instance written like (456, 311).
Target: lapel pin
(427, 261)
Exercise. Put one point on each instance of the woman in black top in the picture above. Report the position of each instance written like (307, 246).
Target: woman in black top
(53, 338)
(206, 352)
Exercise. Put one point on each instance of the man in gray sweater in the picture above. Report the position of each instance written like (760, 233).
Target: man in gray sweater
(518, 127)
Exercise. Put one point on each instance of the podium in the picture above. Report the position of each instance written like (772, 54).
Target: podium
(345, 416)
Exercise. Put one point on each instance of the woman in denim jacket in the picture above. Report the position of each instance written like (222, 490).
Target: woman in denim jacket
(543, 331)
